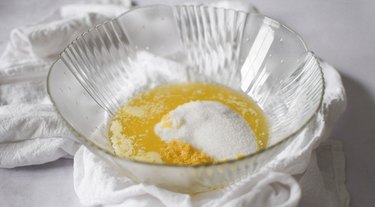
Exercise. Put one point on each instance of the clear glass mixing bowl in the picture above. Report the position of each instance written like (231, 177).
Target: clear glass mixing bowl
(245, 51)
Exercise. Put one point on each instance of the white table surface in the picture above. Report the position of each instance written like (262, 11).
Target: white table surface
(340, 31)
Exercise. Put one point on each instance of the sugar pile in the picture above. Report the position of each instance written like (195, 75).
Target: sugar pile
(208, 126)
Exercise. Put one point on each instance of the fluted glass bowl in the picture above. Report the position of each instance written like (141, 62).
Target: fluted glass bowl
(102, 68)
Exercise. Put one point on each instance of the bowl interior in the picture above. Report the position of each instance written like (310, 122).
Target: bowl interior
(106, 66)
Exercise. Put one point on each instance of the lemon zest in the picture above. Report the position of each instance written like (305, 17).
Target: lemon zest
(182, 153)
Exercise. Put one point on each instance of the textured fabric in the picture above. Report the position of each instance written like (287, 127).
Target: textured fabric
(31, 131)
(95, 183)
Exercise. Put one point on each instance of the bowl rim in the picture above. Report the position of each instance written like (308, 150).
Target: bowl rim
(86, 142)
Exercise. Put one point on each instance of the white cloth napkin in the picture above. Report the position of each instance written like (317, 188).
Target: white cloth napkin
(31, 132)
(95, 183)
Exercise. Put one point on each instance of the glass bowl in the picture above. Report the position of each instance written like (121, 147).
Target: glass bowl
(105, 66)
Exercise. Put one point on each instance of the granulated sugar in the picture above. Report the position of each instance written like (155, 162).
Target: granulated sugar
(209, 126)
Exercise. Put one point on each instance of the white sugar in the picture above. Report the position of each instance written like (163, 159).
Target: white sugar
(211, 127)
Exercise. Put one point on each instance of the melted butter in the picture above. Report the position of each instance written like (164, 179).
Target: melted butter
(132, 129)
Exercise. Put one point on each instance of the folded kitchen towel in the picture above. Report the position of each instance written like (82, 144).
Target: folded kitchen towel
(31, 132)
(95, 183)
